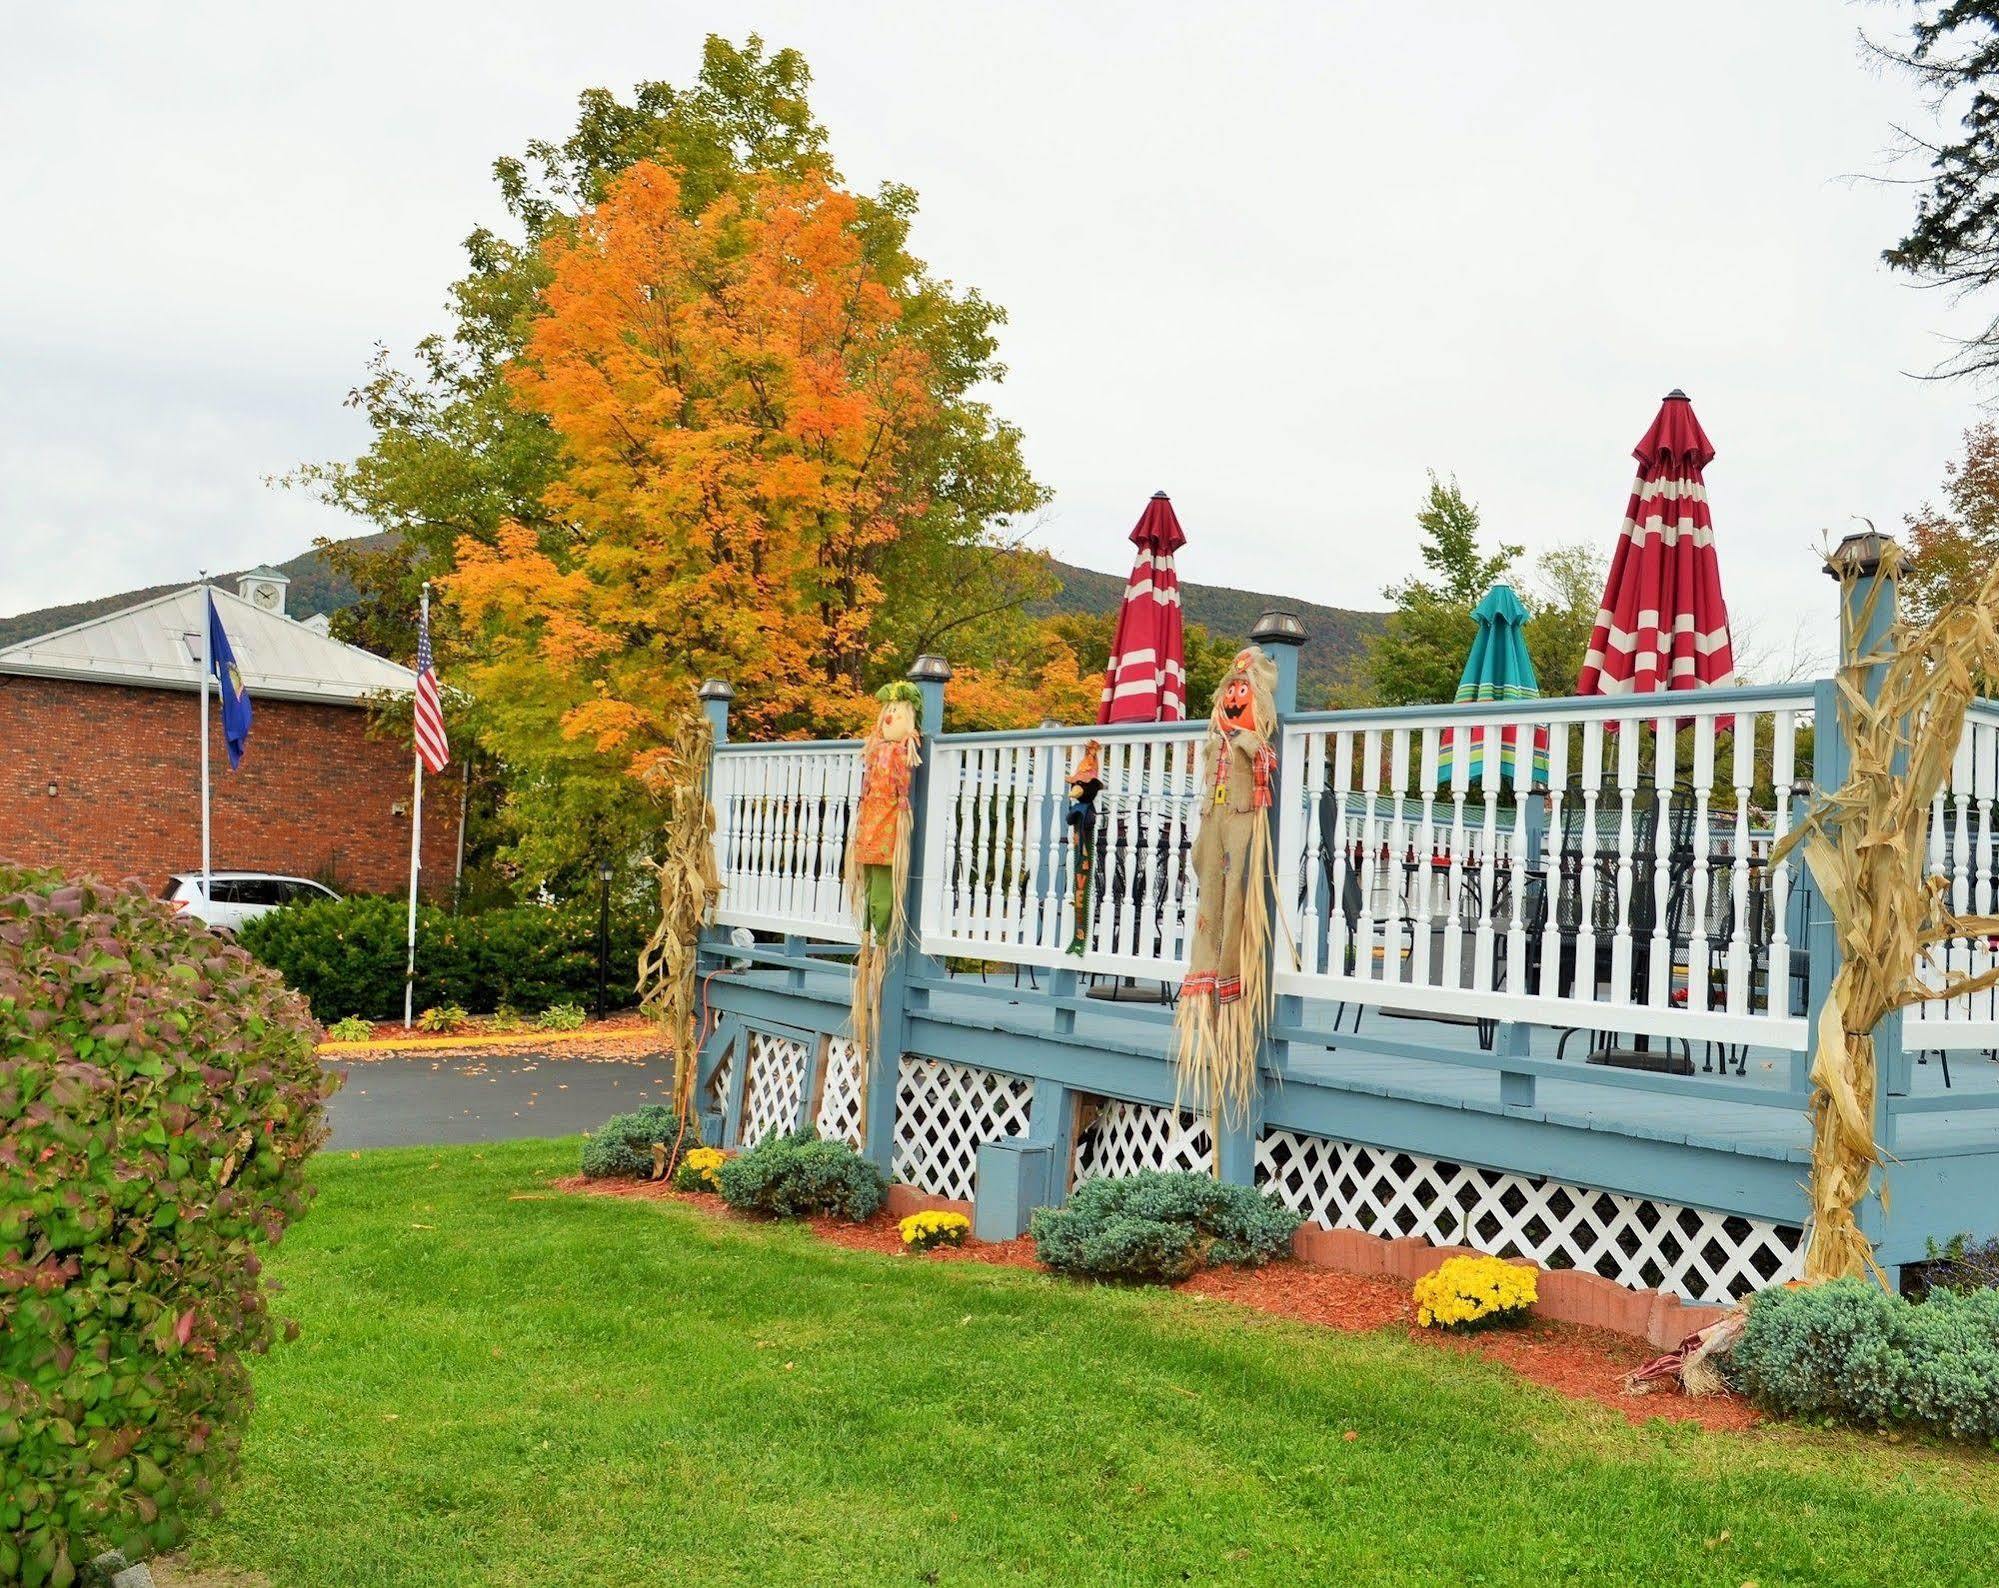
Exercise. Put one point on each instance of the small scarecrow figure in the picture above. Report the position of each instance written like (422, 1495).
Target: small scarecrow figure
(878, 852)
(1085, 783)
(1225, 1000)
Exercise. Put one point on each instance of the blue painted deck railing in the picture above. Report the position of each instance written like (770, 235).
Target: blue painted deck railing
(1603, 947)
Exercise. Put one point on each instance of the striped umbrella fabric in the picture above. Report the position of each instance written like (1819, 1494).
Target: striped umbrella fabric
(1498, 668)
(1146, 679)
(430, 741)
(1662, 624)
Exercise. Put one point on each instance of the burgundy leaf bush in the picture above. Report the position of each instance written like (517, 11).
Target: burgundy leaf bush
(158, 1101)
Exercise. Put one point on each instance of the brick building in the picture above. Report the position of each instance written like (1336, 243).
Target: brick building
(100, 766)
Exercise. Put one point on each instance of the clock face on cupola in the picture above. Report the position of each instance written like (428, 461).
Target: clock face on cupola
(263, 588)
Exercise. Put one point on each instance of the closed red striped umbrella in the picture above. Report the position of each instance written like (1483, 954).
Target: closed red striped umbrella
(1663, 624)
(1146, 680)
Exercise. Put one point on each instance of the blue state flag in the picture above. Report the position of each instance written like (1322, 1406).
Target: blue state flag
(229, 679)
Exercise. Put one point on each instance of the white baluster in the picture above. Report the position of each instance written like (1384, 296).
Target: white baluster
(1665, 772)
(1628, 731)
(1744, 761)
(1592, 789)
(1342, 858)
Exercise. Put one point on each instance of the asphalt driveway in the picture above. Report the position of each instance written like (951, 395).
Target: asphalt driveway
(431, 1099)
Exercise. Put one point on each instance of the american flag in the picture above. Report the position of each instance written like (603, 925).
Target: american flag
(430, 741)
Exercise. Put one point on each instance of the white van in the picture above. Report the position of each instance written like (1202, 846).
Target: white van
(238, 896)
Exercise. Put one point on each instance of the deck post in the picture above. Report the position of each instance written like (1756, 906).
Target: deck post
(1282, 636)
(715, 695)
(899, 996)
(1861, 633)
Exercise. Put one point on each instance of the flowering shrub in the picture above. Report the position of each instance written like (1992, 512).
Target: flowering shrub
(159, 1099)
(698, 1170)
(1464, 1292)
(922, 1231)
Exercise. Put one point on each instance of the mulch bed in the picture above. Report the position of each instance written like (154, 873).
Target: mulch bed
(1583, 1363)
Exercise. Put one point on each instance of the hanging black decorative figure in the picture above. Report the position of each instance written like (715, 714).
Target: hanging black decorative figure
(1084, 785)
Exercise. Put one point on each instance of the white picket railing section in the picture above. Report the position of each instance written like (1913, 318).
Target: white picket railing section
(998, 881)
(782, 816)
(1641, 901)
(1963, 851)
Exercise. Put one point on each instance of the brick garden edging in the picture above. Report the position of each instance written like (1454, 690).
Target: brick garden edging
(1565, 1294)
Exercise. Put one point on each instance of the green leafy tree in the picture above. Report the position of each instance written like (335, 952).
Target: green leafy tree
(1420, 654)
(1953, 243)
(1568, 586)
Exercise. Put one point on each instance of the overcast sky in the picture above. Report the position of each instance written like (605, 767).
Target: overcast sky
(1274, 259)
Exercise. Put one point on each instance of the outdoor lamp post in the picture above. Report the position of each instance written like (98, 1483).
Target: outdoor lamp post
(603, 931)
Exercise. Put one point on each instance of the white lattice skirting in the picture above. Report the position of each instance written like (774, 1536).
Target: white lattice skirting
(1127, 1137)
(774, 1089)
(718, 1083)
(943, 1113)
(839, 1116)
(1689, 1252)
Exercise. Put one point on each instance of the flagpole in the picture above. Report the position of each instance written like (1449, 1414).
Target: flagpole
(416, 852)
(207, 667)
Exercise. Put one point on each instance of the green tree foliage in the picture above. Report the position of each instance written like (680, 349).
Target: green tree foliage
(161, 1099)
(1420, 655)
(1564, 600)
(1952, 544)
(1953, 243)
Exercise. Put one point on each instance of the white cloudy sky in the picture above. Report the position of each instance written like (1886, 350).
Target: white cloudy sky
(1275, 259)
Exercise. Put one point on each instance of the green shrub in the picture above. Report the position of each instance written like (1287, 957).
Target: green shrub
(350, 1028)
(158, 1100)
(788, 1177)
(1960, 1263)
(621, 1147)
(560, 1017)
(1849, 1352)
(347, 955)
(442, 1017)
(1158, 1228)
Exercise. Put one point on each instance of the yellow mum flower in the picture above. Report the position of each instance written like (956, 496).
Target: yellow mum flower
(1473, 1290)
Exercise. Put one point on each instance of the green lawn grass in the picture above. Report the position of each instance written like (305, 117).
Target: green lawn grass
(501, 1385)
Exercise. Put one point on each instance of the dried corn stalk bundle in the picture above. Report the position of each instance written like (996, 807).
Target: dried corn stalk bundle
(688, 889)
(1866, 843)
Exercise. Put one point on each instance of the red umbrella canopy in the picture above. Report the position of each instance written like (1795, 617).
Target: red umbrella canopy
(1146, 680)
(1663, 624)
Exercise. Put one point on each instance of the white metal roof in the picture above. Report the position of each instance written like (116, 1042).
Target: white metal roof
(157, 645)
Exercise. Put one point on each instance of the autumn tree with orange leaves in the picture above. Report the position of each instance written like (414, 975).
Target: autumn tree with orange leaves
(709, 415)
(738, 408)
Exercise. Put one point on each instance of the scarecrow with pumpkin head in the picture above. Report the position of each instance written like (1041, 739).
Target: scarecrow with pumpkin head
(1225, 1000)
(877, 874)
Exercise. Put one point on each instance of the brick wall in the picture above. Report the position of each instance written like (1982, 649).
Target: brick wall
(315, 795)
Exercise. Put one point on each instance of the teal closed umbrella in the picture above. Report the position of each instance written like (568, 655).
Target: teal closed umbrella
(1498, 668)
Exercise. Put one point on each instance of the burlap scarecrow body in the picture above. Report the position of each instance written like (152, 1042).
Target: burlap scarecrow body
(877, 874)
(1225, 999)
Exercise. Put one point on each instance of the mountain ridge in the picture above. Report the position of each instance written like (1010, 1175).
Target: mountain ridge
(1334, 635)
